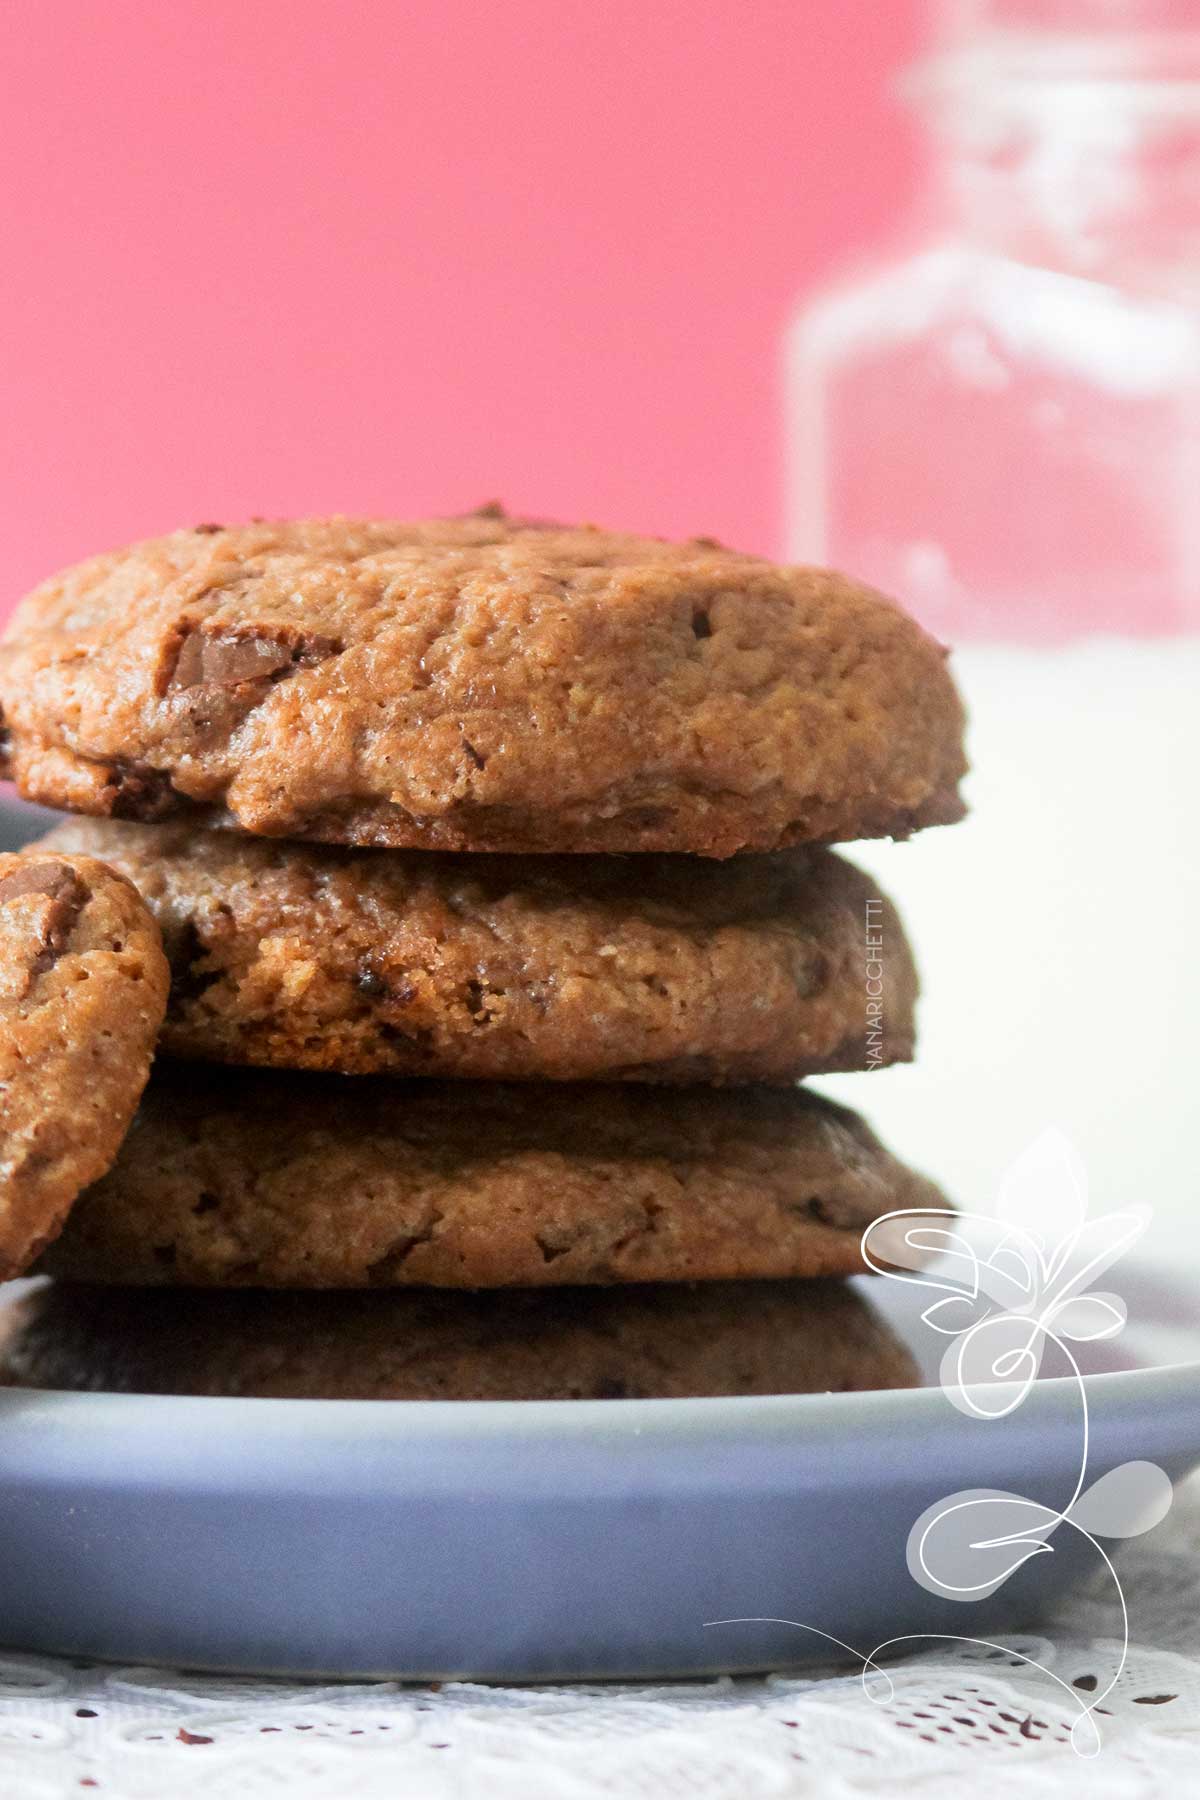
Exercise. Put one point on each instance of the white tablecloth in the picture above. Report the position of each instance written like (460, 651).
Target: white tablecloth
(967, 1723)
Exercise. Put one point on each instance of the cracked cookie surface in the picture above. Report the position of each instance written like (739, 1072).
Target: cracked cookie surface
(564, 968)
(772, 1337)
(233, 1177)
(480, 683)
(83, 990)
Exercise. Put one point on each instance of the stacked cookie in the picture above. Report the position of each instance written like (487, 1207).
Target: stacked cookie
(487, 856)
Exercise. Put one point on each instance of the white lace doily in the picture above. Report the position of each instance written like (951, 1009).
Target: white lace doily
(956, 1722)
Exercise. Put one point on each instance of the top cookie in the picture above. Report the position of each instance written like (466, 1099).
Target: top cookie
(83, 990)
(480, 683)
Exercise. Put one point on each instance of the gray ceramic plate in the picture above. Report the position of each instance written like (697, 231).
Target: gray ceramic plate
(549, 1539)
(592, 1538)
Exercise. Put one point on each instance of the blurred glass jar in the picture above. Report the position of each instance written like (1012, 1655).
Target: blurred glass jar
(1003, 426)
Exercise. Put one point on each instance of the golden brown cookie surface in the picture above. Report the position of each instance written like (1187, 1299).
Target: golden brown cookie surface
(234, 1177)
(774, 1337)
(478, 684)
(554, 968)
(83, 989)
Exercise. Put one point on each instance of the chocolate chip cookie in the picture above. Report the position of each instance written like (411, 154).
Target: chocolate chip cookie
(771, 1337)
(479, 683)
(83, 989)
(234, 1177)
(580, 968)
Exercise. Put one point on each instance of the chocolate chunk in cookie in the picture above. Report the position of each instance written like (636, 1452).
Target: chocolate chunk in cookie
(227, 659)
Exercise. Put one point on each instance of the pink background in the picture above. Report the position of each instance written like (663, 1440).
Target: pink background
(264, 256)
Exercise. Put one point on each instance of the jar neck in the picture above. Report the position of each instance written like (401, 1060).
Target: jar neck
(1094, 169)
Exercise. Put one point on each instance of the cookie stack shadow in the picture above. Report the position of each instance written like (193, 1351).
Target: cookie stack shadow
(499, 949)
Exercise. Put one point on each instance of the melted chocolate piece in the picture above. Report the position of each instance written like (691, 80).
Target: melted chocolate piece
(140, 792)
(59, 884)
(227, 659)
(495, 509)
